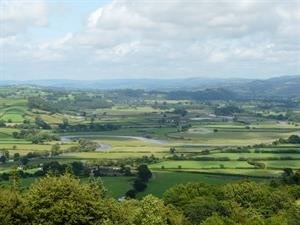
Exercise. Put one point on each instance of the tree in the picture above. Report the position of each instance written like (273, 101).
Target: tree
(172, 150)
(182, 194)
(297, 177)
(17, 157)
(126, 170)
(152, 211)
(144, 174)
(204, 207)
(92, 119)
(87, 145)
(55, 149)
(40, 123)
(54, 167)
(64, 200)
(257, 196)
(2, 123)
(214, 220)
(2, 159)
(14, 180)
(24, 160)
(197, 201)
(290, 177)
(228, 110)
(65, 123)
(77, 168)
(139, 185)
(181, 111)
(36, 139)
(294, 139)
(12, 208)
(40, 103)
(4, 156)
(131, 193)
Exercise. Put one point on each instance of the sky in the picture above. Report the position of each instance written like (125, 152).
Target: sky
(113, 39)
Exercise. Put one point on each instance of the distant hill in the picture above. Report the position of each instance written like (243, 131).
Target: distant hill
(207, 94)
(283, 86)
(147, 84)
(279, 86)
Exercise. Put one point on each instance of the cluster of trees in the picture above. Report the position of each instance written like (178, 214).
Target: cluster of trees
(277, 151)
(293, 139)
(76, 168)
(59, 200)
(250, 160)
(19, 173)
(52, 103)
(273, 116)
(134, 162)
(145, 160)
(4, 156)
(160, 105)
(180, 111)
(236, 204)
(227, 110)
(277, 117)
(237, 150)
(256, 164)
(243, 158)
(292, 116)
(140, 183)
(35, 102)
(35, 136)
(84, 145)
(64, 124)
(41, 124)
(88, 127)
(83, 101)
(208, 94)
(196, 158)
(24, 159)
(290, 177)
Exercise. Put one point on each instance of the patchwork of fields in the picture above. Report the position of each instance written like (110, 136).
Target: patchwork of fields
(212, 149)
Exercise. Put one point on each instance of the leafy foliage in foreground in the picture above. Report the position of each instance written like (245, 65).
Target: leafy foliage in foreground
(59, 200)
(64, 200)
(236, 204)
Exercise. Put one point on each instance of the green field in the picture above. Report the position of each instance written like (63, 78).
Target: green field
(232, 137)
(199, 164)
(163, 180)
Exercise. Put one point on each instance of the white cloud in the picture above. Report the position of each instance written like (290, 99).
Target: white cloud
(169, 38)
(180, 24)
(16, 16)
